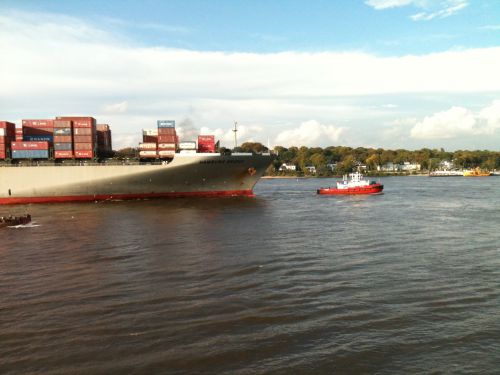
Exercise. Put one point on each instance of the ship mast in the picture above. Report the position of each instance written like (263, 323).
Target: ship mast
(235, 130)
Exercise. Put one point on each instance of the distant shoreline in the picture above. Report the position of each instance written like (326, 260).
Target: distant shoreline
(307, 177)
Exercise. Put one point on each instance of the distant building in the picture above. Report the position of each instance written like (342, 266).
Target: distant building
(331, 166)
(287, 167)
(405, 167)
(446, 165)
(311, 169)
(409, 167)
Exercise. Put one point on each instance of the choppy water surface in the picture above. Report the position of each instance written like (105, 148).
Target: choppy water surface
(287, 282)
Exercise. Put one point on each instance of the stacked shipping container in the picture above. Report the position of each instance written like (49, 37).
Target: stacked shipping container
(38, 130)
(7, 135)
(167, 138)
(30, 150)
(104, 148)
(63, 139)
(84, 136)
(206, 143)
(19, 134)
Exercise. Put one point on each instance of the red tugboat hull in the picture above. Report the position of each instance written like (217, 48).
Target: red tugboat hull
(370, 189)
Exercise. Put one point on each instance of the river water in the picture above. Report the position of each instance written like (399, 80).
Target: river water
(407, 282)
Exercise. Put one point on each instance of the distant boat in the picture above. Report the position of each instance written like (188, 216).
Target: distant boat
(356, 185)
(476, 173)
(13, 221)
(446, 174)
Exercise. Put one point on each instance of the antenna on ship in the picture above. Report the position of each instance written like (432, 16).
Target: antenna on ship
(235, 130)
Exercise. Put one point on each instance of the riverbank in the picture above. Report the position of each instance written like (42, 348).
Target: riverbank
(368, 176)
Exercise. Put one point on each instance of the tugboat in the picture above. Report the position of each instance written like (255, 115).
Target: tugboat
(13, 221)
(477, 172)
(357, 185)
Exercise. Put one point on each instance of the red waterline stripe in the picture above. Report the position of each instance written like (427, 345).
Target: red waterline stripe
(106, 197)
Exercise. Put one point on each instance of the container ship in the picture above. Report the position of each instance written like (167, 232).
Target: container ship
(67, 160)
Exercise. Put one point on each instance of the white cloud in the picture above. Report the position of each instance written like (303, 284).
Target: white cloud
(430, 9)
(63, 65)
(490, 27)
(117, 107)
(386, 4)
(457, 122)
(447, 124)
(490, 116)
(309, 133)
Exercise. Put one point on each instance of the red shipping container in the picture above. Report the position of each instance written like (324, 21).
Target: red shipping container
(80, 121)
(63, 154)
(29, 145)
(167, 139)
(19, 138)
(83, 139)
(150, 138)
(166, 131)
(84, 154)
(206, 139)
(6, 124)
(62, 124)
(3, 140)
(63, 139)
(2, 146)
(8, 128)
(39, 123)
(19, 131)
(3, 155)
(83, 131)
(83, 146)
(206, 149)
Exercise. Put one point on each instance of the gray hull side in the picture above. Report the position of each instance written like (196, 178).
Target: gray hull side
(185, 174)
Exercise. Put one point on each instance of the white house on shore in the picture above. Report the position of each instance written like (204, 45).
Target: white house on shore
(405, 167)
(287, 167)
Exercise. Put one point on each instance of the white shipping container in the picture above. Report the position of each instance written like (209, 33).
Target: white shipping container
(152, 132)
(166, 153)
(2, 132)
(166, 145)
(148, 145)
(187, 145)
(147, 153)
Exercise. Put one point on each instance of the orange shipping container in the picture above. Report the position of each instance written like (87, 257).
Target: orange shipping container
(62, 124)
(39, 123)
(83, 139)
(82, 131)
(84, 154)
(63, 154)
(63, 139)
(166, 131)
(83, 146)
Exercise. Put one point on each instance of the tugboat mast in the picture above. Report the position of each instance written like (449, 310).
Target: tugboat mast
(235, 130)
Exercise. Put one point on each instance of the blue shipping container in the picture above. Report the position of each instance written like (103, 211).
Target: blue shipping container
(30, 154)
(166, 123)
(63, 146)
(38, 138)
(62, 131)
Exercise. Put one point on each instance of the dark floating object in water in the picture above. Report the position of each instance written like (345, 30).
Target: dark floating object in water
(12, 221)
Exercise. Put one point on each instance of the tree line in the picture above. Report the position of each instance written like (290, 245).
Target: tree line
(347, 158)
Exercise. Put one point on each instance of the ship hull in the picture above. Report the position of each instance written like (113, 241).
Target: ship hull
(196, 175)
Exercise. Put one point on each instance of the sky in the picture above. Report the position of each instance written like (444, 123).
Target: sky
(360, 73)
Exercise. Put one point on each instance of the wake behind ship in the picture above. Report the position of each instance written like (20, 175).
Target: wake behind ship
(165, 167)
